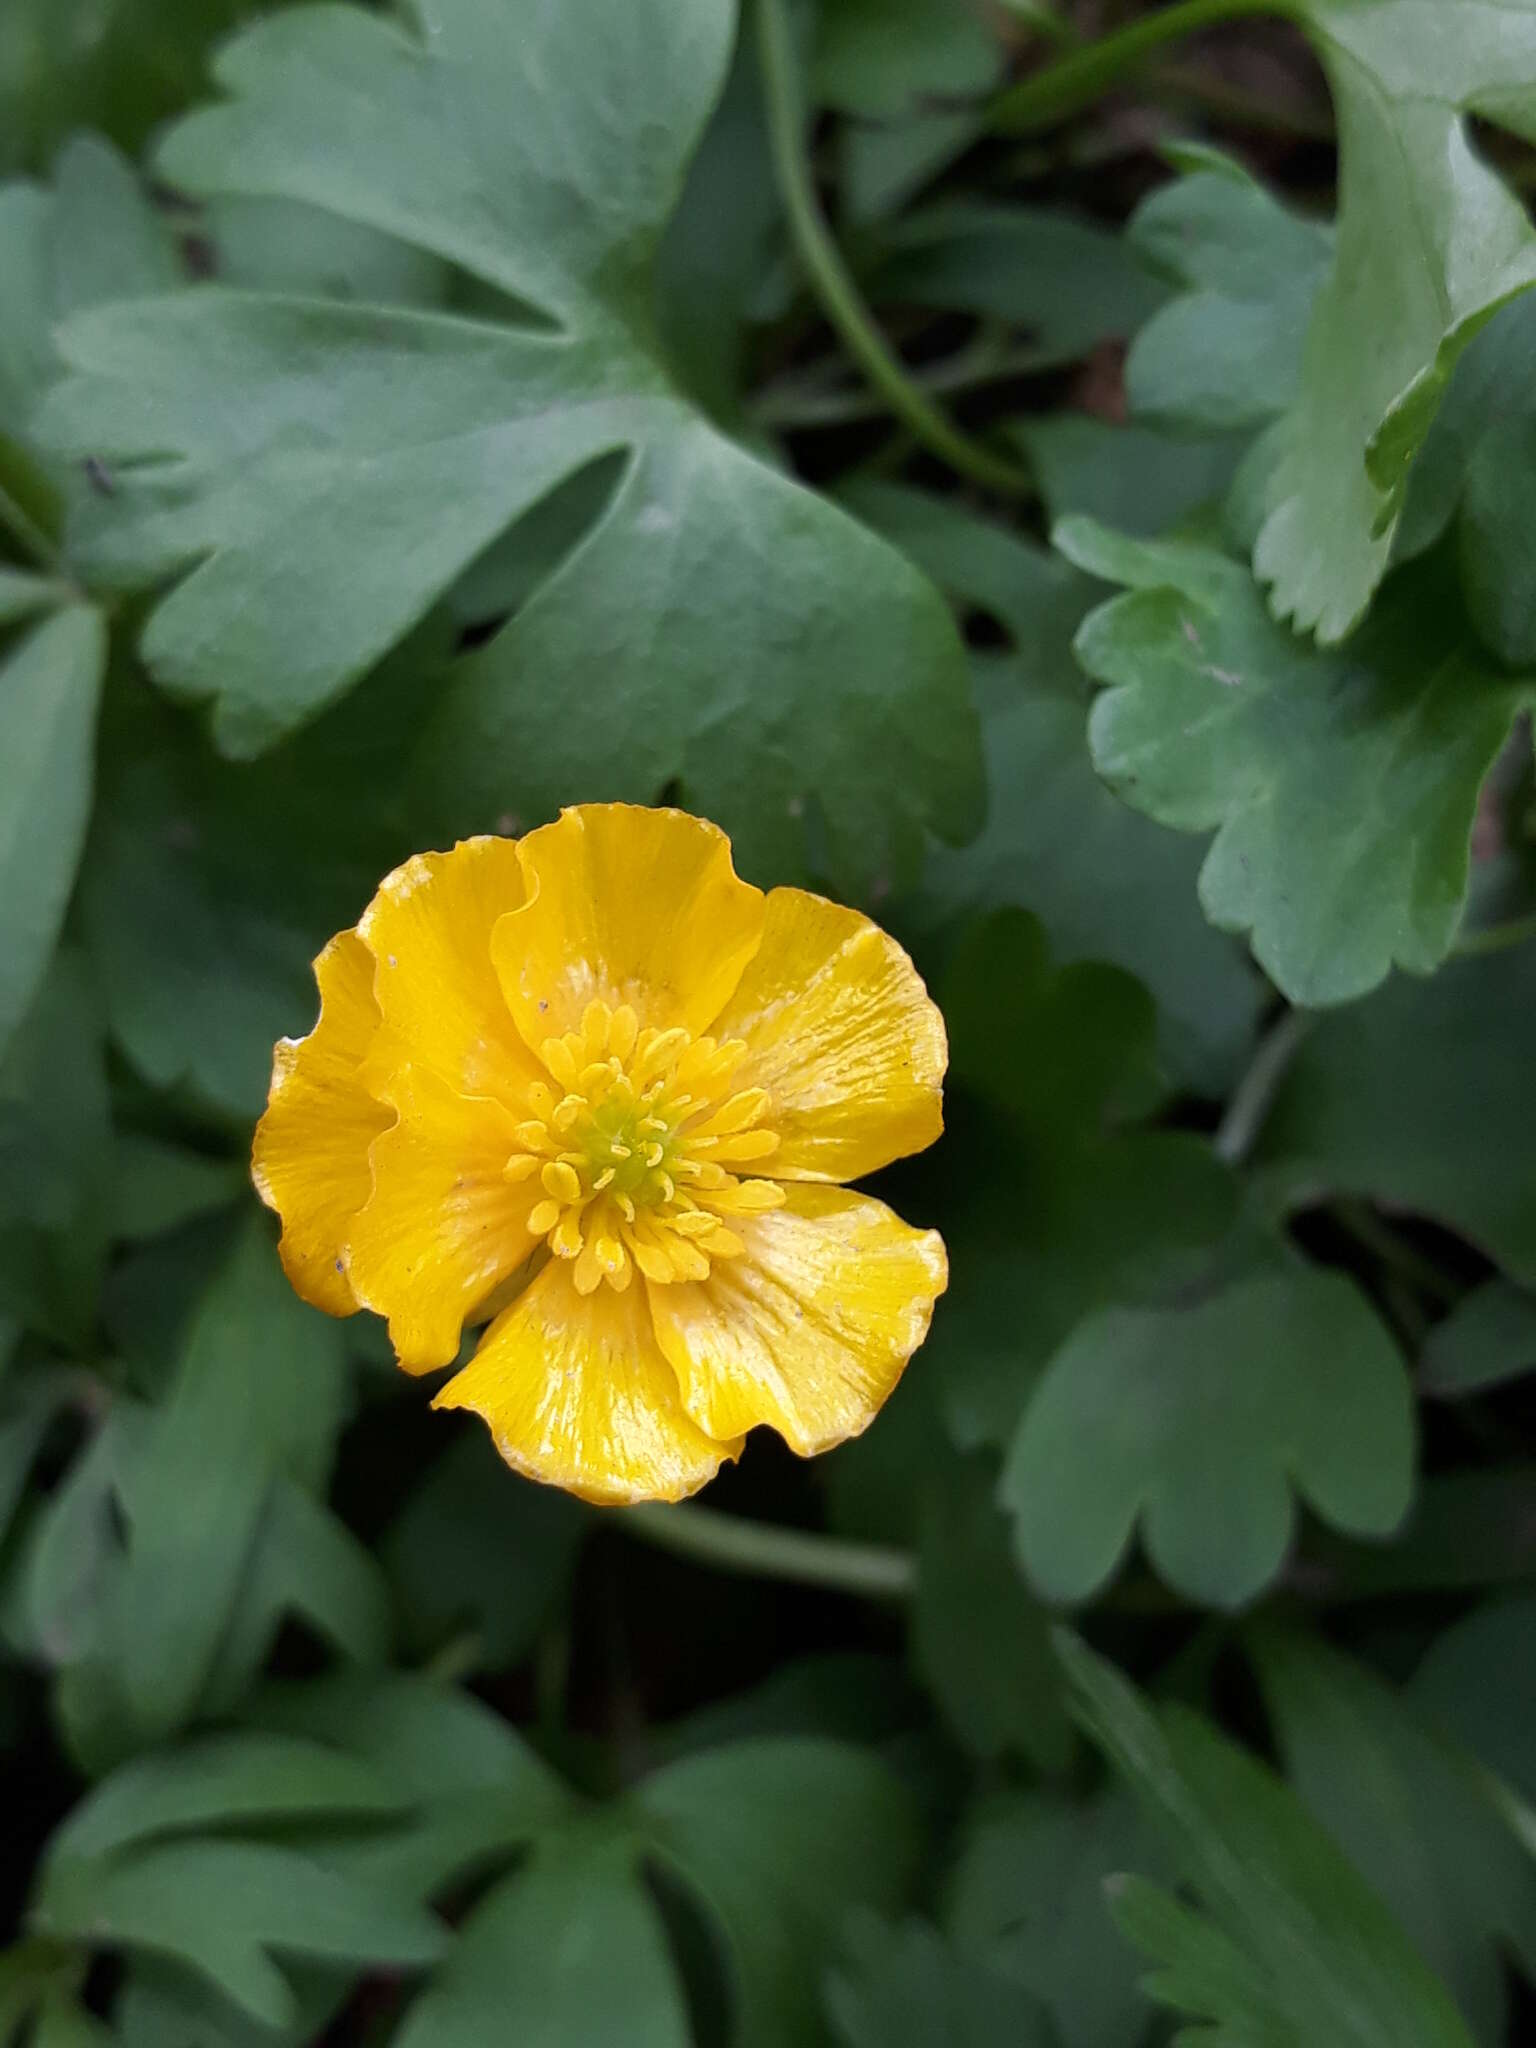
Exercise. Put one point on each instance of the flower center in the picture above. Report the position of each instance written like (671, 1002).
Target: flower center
(636, 1156)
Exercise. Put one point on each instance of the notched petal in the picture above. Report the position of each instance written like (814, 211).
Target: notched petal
(810, 1327)
(844, 1037)
(309, 1159)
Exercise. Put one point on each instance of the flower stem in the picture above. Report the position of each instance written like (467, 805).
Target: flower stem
(1076, 80)
(762, 1550)
(833, 282)
(1254, 1094)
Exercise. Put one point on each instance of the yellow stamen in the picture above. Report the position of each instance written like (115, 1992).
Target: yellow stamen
(634, 1153)
(561, 1181)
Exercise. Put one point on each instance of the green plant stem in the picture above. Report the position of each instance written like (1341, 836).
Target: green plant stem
(833, 282)
(762, 1550)
(1383, 1242)
(1076, 80)
(1254, 1094)
(1236, 108)
(1496, 938)
(457, 1660)
(806, 405)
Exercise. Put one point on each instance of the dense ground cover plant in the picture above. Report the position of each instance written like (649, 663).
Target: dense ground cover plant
(1056, 476)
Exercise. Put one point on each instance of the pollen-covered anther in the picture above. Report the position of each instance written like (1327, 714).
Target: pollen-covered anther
(633, 1154)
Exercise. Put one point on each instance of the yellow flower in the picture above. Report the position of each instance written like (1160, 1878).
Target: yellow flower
(593, 1086)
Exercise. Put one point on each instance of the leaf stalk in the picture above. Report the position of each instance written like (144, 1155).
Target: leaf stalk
(1073, 82)
(833, 281)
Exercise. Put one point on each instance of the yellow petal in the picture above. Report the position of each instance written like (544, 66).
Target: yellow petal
(634, 908)
(843, 1035)
(310, 1157)
(429, 931)
(576, 1393)
(809, 1329)
(443, 1226)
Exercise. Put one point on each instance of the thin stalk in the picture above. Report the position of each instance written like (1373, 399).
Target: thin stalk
(1496, 938)
(833, 282)
(762, 1550)
(457, 1660)
(1254, 1095)
(804, 406)
(1397, 1256)
(1075, 81)
(1235, 107)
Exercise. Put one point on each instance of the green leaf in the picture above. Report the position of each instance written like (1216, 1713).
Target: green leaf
(427, 1739)
(29, 1970)
(121, 65)
(1141, 479)
(904, 1987)
(780, 1839)
(163, 2005)
(22, 594)
(61, 2023)
(1488, 1338)
(881, 58)
(55, 1159)
(49, 685)
(1026, 1896)
(819, 660)
(1431, 243)
(1066, 282)
(1342, 788)
(1470, 1529)
(1061, 1199)
(223, 1908)
(256, 1404)
(28, 1406)
(1226, 353)
(193, 861)
(481, 1792)
(476, 1549)
(570, 1949)
(1199, 1423)
(723, 252)
(157, 1186)
(90, 237)
(1289, 1947)
(68, 1550)
(979, 1638)
(1105, 883)
(260, 1389)
(1413, 1815)
(1473, 478)
(304, 1565)
(220, 1782)
(282, 245)
(1410, 1099)
(1478, 1679)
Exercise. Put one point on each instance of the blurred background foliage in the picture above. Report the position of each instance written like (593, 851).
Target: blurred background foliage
(864, 423)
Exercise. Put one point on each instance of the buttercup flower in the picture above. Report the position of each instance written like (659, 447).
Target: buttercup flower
(594, 1087)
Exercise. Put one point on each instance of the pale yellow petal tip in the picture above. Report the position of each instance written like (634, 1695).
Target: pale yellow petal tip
(931, 1251)
(597, 1488)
